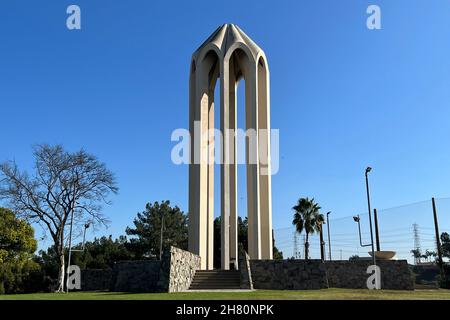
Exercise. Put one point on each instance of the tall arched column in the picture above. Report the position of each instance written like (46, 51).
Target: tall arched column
(225, 168)
(232, 156)
(265, 194)
(201, 173)
(194, 179)
(229, 54)
(252, 162)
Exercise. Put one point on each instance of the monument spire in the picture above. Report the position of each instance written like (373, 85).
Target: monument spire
(229, 55)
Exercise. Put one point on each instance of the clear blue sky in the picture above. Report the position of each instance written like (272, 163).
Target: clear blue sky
(342, 96)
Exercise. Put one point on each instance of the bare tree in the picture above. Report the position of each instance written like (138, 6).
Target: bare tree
(62, 183)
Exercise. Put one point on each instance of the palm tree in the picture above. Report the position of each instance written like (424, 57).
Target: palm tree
(307, 218)
(429, 255)
(416, 254)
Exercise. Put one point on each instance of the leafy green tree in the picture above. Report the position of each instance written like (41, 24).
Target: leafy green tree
(277, 254)
(432, 254)
(217, 243)
(445, 244)
(17, 245)
(308, 219)
(417, 254)
(242, 240)
(16, 237)
(48, 260)
(243, 232)
(102, 253)
(147, 230)
(428, 255)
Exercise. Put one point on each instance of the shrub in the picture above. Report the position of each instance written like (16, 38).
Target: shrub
(24, 277)
(445, 283)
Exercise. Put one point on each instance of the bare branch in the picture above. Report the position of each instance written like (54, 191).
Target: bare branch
(62, 183)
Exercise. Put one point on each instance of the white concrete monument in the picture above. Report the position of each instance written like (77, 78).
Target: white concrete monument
(229, 54)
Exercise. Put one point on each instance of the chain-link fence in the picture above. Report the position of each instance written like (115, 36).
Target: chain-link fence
(401, 229)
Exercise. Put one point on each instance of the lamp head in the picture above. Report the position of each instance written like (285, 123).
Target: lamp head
(368, 169)
(356, 218)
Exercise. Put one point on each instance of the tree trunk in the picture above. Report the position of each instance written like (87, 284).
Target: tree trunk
(62, 271)
(307, 247)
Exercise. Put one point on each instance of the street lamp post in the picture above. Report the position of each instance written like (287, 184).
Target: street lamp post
(368, 169)
(329, 239)
(322, 244)
(70, 247)
(357, 219)
(86, 226)
(161, 239)
(74, 204)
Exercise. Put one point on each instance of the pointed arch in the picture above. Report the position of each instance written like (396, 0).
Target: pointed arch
(204, 74)
(231, 55)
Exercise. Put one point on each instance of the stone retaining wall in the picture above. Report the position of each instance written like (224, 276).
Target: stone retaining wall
(136, 276)
(178, 269)
(288, 274)
(245, 271)
(313, 274)
(173, 274)
(96, 279)
(395, 274)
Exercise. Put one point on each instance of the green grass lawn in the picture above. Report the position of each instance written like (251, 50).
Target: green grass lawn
(326, 294)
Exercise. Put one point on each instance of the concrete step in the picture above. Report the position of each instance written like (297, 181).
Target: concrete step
(216, 279)
(218, 282)
(215, 285)
(217, 272)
